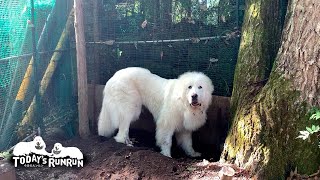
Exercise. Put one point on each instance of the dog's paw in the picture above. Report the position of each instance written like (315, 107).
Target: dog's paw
(195, 154)
(124, 140)
(128, 142)
(119, 139)
(166, 154)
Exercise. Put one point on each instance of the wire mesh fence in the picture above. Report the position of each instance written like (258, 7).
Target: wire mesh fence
(27, 72)
(167, 37)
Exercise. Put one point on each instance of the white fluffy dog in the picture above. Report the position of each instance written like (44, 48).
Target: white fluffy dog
(177, 105)
(37, 146)
(58, 151)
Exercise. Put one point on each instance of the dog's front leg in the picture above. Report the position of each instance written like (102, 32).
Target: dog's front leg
(184, 139)
(164, 140)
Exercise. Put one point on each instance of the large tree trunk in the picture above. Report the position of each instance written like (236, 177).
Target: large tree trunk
(267, 117)
(261, 32)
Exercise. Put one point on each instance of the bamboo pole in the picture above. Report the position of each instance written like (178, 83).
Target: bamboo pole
(84, 131)
(46, 79)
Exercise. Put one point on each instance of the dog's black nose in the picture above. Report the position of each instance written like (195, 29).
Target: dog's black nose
(195, 96)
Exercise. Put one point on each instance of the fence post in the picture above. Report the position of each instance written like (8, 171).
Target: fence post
(96, 61)
(82, 70)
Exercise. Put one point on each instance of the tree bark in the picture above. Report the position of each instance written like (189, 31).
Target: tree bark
(267, 117)
(261, 32)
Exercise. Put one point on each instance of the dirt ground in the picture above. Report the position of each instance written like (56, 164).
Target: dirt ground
(106, 159)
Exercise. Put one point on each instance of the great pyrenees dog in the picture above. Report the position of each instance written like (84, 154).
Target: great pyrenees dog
(177, 105)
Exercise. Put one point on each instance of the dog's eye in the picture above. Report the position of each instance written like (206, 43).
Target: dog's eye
(189, 87)
(200, 87)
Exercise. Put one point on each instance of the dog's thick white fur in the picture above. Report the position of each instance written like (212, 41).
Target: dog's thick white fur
(177, 105)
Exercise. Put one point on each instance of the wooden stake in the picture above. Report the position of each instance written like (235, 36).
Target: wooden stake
(96, 60)
(84, 131)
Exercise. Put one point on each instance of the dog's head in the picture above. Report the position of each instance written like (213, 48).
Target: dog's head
(196, 89)
(38, 143)
(57, 148)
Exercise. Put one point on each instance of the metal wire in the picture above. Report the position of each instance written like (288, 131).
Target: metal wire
(195, 40)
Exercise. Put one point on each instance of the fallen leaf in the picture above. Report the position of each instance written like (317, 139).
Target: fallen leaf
(144, 24)
(110, 42)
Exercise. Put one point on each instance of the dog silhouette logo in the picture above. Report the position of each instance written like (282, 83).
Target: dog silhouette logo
(34, 154)
(61, 152)
(37, 146)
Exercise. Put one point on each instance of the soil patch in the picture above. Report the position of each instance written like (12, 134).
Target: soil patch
(107, 159)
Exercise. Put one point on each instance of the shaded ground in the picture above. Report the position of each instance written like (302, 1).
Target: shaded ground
(106, 159)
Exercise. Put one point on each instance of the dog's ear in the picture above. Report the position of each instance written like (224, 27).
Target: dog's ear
(180, 90)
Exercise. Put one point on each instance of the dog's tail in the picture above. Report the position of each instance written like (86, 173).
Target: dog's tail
(105, 125)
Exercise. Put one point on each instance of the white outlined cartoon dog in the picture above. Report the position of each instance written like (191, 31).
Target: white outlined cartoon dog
(37, 146)
(59, 151)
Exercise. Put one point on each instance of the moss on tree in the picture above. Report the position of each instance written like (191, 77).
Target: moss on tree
(267, 117)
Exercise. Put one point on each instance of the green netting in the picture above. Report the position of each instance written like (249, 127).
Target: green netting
(14, 24)
(16, 52)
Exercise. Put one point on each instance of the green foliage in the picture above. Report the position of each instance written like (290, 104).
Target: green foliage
(314, 129)
(5, 155)
(315, 115)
